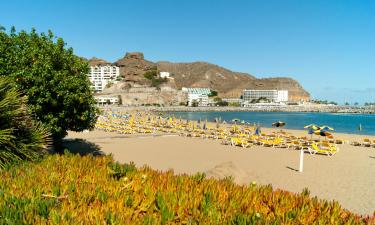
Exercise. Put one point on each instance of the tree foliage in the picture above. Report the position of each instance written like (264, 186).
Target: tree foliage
(152, 75)
(20, 137)
(52, 77)
(213, 93)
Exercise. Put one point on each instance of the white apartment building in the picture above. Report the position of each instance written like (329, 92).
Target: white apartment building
(164, 74)
(271, 95)
(100, 76)
(199, 95)
(106, 99)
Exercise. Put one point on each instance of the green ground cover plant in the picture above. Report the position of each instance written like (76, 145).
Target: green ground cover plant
(73, 189)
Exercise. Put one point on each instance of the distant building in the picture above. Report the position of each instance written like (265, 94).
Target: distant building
(164, 74)
(198, 95)
(232, 100)
(100, 76)
(107, 99)
(271, 95)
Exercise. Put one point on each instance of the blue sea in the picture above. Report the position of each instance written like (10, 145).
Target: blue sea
(342, 123)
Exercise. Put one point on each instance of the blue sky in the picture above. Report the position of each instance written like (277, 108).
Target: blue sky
(328, 46)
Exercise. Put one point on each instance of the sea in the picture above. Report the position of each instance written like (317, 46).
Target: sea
(342, 123)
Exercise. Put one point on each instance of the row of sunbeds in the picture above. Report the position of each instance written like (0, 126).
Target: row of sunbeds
(236, 136)
(365, 143)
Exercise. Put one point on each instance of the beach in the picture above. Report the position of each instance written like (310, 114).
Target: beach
(347, 177)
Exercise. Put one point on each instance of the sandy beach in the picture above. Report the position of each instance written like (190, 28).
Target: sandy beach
(347, 177)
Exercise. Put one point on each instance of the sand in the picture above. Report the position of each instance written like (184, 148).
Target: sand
(348, 177)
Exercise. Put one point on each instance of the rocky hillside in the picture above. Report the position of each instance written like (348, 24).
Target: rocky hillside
(133, 66)
(229, 84)
(98, 62)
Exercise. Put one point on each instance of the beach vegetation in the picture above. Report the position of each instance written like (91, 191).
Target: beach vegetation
(73, 189)
(21, 138)
(53, 79)
(219, 102)
(324, 102)
(234, 104)
(222, 103)
(260, 100)
(194, 103)
(213, 93)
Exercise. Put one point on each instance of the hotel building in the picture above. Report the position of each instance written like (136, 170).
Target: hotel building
(271, 95)
(199, 95)
(100, 76)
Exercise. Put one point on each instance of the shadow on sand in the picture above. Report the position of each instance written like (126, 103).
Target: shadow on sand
(288, 167)
(82, 147)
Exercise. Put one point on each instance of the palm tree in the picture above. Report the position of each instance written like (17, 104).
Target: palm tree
(21, 138)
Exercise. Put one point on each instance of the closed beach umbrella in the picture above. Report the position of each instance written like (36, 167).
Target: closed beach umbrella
(258, 131)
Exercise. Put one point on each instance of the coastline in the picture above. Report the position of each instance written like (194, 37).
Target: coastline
(312, 109)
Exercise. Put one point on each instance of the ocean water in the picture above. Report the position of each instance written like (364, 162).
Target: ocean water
(342, 123)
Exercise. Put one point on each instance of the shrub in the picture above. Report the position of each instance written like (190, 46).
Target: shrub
(152, 75)
(20, 137)
(52, 77)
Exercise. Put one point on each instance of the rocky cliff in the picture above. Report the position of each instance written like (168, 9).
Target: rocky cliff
(229, 84)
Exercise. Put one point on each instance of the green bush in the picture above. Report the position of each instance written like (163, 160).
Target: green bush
(152, 75)
(52, 77)
(21, 138)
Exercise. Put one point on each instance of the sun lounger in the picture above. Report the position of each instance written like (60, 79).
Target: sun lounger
(329, 150)
(355, 143)
(366, 142)
(235, 141)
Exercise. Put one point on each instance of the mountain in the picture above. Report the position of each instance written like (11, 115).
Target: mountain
(97, 62)
(229, 84)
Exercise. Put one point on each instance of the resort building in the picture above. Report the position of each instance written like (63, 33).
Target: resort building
(197, 95)
(100, 76)
(251, 96)
(107, 99)
(232, 100)
(164, 75)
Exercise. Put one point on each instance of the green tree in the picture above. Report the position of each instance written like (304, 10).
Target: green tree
(52, 77)
(195, 103)
(217, 99)
(152, 75)
(213, 93)
(20, 137)
(222, 103)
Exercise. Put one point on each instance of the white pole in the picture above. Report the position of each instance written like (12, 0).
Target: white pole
(301, 161)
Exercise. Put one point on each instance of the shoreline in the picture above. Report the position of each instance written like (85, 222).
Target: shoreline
(302, 109)
(327, 177)
(166, 111)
